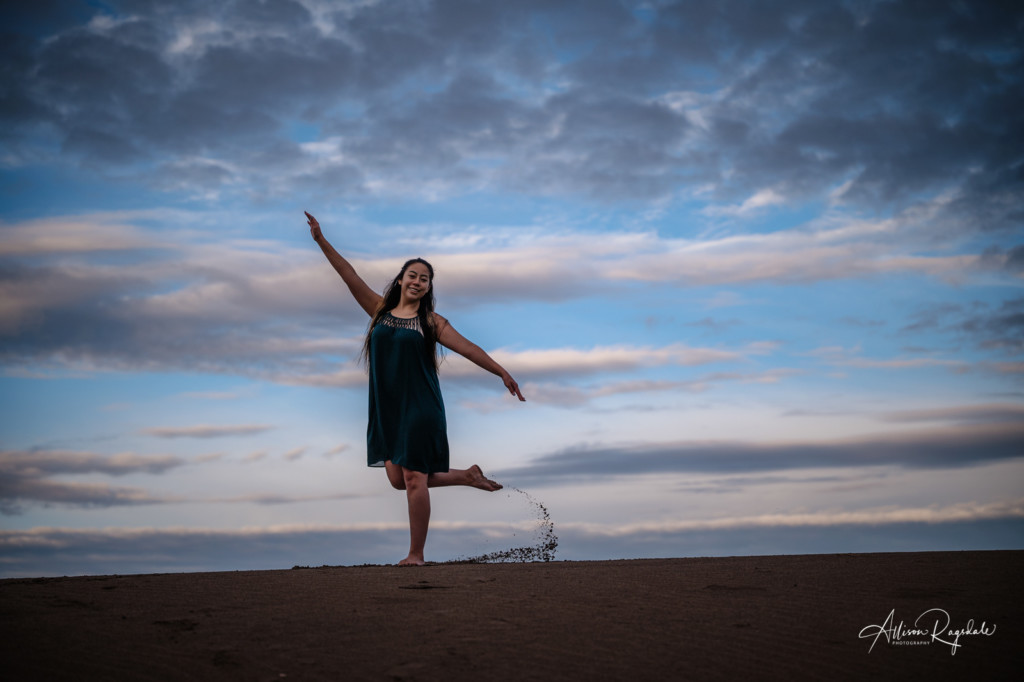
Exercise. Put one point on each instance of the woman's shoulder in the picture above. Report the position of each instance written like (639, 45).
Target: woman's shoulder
(440, 321)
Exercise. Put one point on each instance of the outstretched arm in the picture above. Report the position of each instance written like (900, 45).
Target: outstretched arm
(367, 298)
(451, 339)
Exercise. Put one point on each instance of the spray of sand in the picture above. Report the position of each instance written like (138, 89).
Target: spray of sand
(545, 540)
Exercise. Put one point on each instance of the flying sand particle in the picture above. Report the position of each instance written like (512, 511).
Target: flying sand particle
(543, 550)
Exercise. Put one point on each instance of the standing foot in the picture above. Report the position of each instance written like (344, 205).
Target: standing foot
(478, 480)
(412, 561)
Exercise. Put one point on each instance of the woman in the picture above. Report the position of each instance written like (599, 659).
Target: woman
(407, 433)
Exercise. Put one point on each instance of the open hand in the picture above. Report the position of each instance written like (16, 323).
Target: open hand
(314, 227)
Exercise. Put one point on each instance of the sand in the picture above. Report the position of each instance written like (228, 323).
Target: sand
(771, 617)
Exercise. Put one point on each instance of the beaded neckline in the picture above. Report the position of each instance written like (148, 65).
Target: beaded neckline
(402, 322)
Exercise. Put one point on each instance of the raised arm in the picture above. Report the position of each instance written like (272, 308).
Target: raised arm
(452, 340)
(367, 298)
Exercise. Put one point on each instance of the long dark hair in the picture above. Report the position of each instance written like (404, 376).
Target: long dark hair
(392, 296)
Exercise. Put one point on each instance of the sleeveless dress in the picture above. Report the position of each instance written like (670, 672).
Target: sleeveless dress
(406, 416)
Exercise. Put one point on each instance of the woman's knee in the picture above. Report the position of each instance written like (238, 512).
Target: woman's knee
(413, 479)
(395, 476)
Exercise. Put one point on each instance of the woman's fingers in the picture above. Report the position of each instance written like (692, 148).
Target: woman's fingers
(513, 388)
(314, 226)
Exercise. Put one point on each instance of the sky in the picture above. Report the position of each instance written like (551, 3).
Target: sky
(757, 267)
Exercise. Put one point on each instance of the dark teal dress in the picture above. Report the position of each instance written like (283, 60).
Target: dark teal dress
(406, 420)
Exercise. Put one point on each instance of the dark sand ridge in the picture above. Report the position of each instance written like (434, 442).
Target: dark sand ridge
(769, 617)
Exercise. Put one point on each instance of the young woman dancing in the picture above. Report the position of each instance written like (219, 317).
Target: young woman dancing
(407, 432)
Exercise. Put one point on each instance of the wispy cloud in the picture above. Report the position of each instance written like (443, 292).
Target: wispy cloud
(260, 310)
(840, 356)
(562, 394)
(953, 513)
(76, 551)
(295, 453)
(206, 431)
(994, 327)
(270, 499)
(30, 478)
(968, 414)
(49, 462)
(337, 450)
(80, 234)
(582, 361)
(212, 395)
(760, 199)
(209, 457)
(17, 494)
(27, 477)
(937, 448)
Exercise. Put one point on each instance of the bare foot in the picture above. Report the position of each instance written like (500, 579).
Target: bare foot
(412, 561)
(478, 480)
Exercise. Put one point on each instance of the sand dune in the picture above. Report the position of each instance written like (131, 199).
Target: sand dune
(772, 617)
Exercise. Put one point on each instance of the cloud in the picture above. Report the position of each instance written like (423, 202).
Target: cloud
(27, 477)
(206, 431)
(337, 450)
(991, 327)
(598, 99)
(32, 478)
(256, 308)
(936, 448)
(127, 550)
(760, 199)
(83, 234)
(575, 362)
(964, 414)
(852, 357)
(197, 302)
(140, 550)
(542, 366)
(1009, 367)
(953, 513)
(50, 462)
(830, 249)
(209, 457)
(1002, 328)
(92, 551)
(295, 453)
(270, 499)
(213, 395)
(16, 494)
(561, 394)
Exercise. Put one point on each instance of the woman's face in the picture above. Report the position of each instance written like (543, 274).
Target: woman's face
(416, 281)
